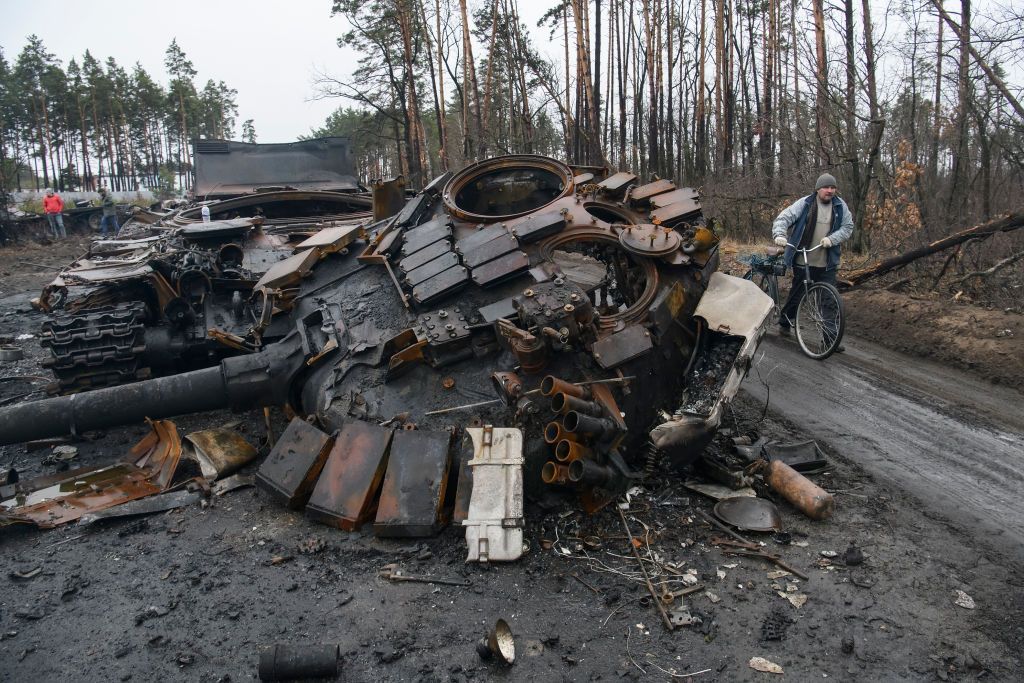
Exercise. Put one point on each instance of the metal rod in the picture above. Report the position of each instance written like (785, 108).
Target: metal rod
(465, 407)
(715, 523)
(647, 578)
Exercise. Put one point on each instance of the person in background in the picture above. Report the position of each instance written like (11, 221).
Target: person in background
(53, 205)
(109, 214)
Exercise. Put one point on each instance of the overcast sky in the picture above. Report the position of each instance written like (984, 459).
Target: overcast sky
(266, 50)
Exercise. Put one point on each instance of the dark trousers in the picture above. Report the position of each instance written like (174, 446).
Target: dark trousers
(788, 314)
(112, 222)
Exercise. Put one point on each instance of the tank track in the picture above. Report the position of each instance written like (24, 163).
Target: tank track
(96, 348)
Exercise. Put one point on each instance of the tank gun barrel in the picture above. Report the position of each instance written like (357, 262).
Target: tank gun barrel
(242, 382)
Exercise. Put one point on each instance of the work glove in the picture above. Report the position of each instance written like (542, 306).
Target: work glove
(826, 242)
(780, 241)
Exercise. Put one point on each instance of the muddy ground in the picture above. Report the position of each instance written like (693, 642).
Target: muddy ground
(194, 594)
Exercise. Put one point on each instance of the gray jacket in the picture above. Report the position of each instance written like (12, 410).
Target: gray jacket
(793, 220)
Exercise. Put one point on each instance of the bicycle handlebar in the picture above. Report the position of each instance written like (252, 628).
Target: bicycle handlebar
(805, 249)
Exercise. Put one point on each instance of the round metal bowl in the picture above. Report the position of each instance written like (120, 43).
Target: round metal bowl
(749, 514)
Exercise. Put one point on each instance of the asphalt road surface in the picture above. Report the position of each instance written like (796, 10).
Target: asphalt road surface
(954, 442)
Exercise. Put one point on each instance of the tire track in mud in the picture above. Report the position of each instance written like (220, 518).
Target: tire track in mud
(953, 442)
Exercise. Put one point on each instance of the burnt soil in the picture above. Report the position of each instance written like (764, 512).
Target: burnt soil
(198, 592)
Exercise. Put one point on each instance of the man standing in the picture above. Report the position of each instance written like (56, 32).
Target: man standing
(109, 214)
(821, 219)
(53, 205)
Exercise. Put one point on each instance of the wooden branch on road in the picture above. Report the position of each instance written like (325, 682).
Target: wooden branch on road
(1005, 223)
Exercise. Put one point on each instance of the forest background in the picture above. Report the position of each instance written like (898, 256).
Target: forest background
(749, 100)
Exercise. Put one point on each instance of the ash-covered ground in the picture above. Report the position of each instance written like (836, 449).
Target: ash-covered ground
(196, 593)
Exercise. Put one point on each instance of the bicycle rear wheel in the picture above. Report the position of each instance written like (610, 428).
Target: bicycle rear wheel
(819, 321)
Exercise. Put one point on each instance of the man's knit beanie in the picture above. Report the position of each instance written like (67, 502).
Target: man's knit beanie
(825, 180)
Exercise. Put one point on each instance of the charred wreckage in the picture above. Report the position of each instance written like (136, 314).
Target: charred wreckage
(515, 327)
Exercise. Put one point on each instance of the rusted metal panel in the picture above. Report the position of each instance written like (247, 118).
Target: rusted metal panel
(220, 452)
(630, 343)
(493, 272)
(65, 497)
(432, 268)
(388, 197)
(616, 184)
(645, 192)
(345, 496)
(330, 240)
(412, 497)
(293, 465)
(537, 227)
(678, 211)
(424, 236)
(290, 271)
(480, 237)
(682, 194)
(424, 256)
(491, 250)
(443, 283)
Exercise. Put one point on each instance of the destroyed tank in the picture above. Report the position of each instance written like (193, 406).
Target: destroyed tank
(177, 294)
(583, 310)
(174, 293)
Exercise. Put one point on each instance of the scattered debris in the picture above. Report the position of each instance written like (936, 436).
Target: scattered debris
(311, 545)
(146, 506)
(751, 514)
(853, 556)
(964, 600)
(801, 492)
(220, 452)
(765, 666)
(392, 572)
(57, 499)
(498, 644)
(27, 574)
(293, 662)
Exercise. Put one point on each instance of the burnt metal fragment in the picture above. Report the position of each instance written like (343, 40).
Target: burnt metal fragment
(622, 347)
(297, 662)
(345, 496)
(293, 465)
(415, 486)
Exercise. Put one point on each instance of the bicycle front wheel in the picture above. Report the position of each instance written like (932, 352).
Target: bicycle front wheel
(770, 286)
(819, 321)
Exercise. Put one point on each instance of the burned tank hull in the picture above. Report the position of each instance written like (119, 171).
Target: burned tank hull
(178, 294)
(585, 311)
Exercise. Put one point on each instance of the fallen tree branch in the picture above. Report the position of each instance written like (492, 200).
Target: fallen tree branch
(1005, 223)
(993, 270)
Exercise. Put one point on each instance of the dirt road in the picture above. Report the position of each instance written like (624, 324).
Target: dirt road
(954, 442)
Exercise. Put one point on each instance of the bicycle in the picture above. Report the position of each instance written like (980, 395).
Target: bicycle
(820, 321)
(765, 271)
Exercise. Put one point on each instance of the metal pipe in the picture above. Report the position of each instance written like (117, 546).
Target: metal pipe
(570, 451)
(563, 403)
(588, 473)
(586, 425)
(555, 432)
(551, 385)
(553, 473)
